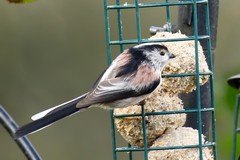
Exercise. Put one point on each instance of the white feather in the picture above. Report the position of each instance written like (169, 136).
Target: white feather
(43, 113)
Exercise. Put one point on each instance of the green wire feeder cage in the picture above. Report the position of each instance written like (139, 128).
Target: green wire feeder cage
(178, 120)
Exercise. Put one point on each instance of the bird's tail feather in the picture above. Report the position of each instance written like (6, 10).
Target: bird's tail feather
(49, 116)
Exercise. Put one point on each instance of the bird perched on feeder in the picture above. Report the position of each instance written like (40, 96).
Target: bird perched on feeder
(131, 77)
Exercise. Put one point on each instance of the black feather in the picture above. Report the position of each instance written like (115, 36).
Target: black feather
(65, 110)
(136, 58)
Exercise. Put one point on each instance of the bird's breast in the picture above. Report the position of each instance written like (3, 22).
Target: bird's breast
(145, 77)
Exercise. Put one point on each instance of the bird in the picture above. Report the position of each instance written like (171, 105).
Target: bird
(129, 79)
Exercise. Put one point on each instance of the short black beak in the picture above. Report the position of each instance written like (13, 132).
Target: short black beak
(172, 56)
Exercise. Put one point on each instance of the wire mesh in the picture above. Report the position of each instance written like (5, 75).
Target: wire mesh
(118, 7)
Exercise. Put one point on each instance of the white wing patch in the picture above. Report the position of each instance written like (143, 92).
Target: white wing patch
(110, 86)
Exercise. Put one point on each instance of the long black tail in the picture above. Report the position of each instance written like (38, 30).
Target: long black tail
(48, 117)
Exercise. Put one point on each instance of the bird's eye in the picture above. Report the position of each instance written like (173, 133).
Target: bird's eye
(162, 53)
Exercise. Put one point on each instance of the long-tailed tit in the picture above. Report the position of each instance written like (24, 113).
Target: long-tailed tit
(131, 77)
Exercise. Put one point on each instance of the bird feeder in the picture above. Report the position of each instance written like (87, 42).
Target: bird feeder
(178, 120)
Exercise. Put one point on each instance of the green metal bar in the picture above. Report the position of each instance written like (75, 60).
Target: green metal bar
(107, 26)
(139, 37)
(186, 74)
(125, 149)
(145, 147)
(130, 156)
(165, 112)
(113, 136)
(135, 41)
(210, 55)
(198, 94)
(120, 29)
(107, 31)
(168, 17)
(147, 5)
(235, 128)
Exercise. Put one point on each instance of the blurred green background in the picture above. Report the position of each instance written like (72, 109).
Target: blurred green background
(52, 51)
